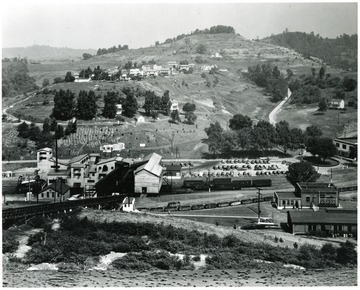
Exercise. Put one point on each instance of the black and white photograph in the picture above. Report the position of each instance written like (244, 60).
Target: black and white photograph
(179, 144)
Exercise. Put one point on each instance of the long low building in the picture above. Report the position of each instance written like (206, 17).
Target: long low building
(338, 222)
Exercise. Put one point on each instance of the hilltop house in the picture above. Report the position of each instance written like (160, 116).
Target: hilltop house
(337, 104)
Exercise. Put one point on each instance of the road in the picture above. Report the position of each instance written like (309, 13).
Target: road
(206, 216)
(272, 115)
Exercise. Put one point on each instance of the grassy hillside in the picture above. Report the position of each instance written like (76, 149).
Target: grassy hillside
(217, 96)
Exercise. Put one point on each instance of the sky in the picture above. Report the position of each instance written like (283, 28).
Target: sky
(91, 24)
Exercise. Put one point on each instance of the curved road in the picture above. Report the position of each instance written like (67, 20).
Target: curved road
(273, 113)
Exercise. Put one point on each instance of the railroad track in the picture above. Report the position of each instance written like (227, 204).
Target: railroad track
(33, 210)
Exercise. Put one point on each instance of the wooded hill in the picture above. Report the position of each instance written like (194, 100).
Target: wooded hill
(340, 52)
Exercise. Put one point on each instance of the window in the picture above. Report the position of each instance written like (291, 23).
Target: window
(344, 146)
(47, 194)
(337, 145)
(42, 195)
(308, 198)
(52, 194)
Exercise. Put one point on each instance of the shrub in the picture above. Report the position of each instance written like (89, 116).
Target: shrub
(346, 254)
(281, 240)
(131, 262)
(196, 258)
(36, 238)
(296, 245)
(9, 245)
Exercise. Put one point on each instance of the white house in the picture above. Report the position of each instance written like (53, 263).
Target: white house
(337, 104)
(128, 204)
(174, 106)
(141, 119)
(119, 109)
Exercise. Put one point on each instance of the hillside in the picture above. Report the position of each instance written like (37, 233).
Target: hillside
(44, 52)
(218, 95)
(340, 52)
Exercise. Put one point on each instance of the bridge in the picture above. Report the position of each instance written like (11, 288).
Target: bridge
(12, 214)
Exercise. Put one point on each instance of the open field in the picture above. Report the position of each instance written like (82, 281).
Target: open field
(333, 123)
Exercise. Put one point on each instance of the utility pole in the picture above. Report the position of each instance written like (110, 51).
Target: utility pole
(259, 211)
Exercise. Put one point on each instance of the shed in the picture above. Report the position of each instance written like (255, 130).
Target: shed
(57, 191)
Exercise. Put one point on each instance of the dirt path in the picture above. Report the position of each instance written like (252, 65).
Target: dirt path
(273, 113)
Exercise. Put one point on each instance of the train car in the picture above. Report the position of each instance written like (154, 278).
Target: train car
(268, 198)
(157, 209)
(261, 182)
(210, 205)
(184, 207)
(232, 203)
(254, 200)
(222, 183)
(240, 183)
(222, 204)
(195, 184)
(246, 201)
(197, 206)
(175, 205)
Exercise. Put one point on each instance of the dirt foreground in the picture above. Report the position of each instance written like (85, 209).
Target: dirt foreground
(17, 277)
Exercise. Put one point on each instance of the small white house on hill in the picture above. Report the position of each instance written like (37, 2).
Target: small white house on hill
(337, 104)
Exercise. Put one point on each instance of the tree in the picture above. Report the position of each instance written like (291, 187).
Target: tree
(165, 102)
(190, 117)
(243, 137)
(46, 126)
(53, 124)
(154, 115)
(322, 72)
(175, 116)
(152, 102)
(189, 107)
(349, 84)
(228, 141)
(283, 135)
(64, 104)
(328, 251)
(214, 133)
(86, 56)
(239, 121)
(23, 130)
(86, 105)
(69, 77)
(59, 132)
(323, 147)
(302, 171)
(201, 48)
(58, 80)
(45, 82)
(110, 101)
(34, 132)
(323, 105)
(346, 254)
(130, 106)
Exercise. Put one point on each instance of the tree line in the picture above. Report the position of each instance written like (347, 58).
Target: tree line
(49, 132)
(270, 78)
(213, 30)
(112, 49)
(244, 135)
(340, 52)
(15, 77)
(310, 88)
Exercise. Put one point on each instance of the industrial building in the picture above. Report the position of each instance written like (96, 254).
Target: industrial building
(330, 222)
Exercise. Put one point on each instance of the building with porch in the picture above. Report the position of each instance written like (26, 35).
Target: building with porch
(323, 222)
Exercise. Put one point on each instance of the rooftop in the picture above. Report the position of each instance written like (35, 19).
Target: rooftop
(352, 140)
(300, 217)
(286, 194)
(59, 187)
(316, 185)
(152, 165)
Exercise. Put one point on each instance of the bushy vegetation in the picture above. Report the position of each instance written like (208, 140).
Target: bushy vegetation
(213, 30)
(270, 78)
(319, 86)
(113, 49)
(9, 245)
(148, 245)
(340, 52)
(15, 78)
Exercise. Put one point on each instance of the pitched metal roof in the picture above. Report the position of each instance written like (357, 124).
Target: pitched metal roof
(152, 165)
(316, 217)
(116, 158)
(77, 158)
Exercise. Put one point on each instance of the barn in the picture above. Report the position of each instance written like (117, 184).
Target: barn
(148, 177)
